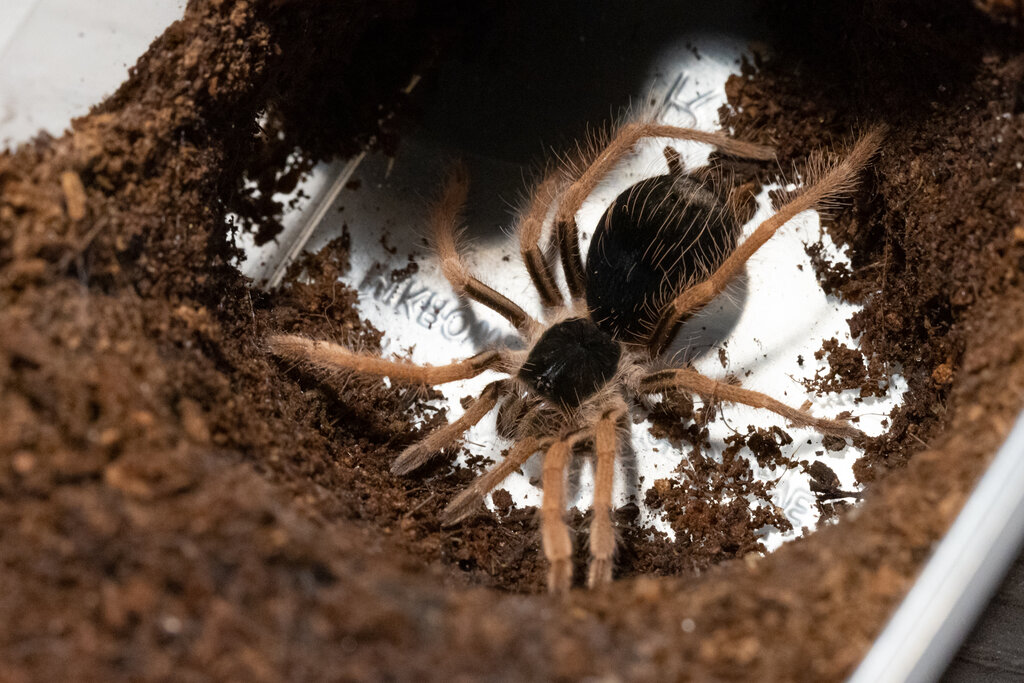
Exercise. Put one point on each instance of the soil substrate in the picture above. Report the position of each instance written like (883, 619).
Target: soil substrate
(173, 502)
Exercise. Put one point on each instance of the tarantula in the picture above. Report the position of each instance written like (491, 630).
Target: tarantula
(664, 248)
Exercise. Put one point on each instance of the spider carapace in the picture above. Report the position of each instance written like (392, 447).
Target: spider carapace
(663, 249)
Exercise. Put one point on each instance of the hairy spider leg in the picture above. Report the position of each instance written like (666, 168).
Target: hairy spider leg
(529, 242)
(472, 498)
(836, 181)
(320, 354)
(444, 219)
(327, 355)
(713, 390)
(602, 534)
(419, 453)
(566, 230)
(554, 531)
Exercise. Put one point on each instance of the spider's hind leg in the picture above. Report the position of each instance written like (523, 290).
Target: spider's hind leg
(444, 219)
(710, 389)
(626, 137)
(741, 199)
(530, 230)
(832, 183)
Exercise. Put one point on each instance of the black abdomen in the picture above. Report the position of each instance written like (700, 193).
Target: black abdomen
(656, 237)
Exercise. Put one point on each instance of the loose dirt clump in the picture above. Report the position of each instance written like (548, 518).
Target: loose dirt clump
(847, 369)
(173, 502)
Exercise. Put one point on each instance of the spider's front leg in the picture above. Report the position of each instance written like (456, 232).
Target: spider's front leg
(472, 498)
(607, 439)
(554, 531)
(419, 453)
(327, 356)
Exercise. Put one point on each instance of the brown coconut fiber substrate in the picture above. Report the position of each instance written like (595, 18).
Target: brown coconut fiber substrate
(175, 503)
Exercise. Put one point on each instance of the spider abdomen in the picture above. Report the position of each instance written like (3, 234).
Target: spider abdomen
(570, 362)
(659, 235)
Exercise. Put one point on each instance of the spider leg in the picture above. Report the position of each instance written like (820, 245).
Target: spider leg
(322, 354)
(710, 389)
(554, 531)
(470, 500)
(835, 181)
(421, 452)
(529, 243)
(566, 230)
(444, 219)
(602, 534)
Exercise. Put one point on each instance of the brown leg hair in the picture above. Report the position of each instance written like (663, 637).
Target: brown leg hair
(710, 389)
(322, 354)
(529, 243)
(421, 452)
(836, 181)
(472, 498)
(554, 532)
(566, 230)
(602, 534)
(444, 219)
